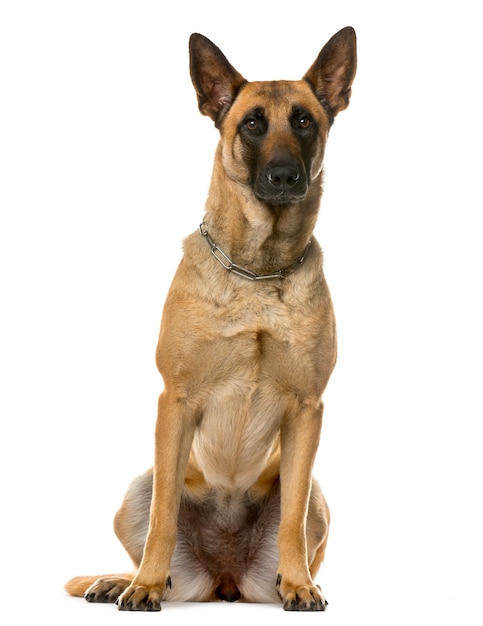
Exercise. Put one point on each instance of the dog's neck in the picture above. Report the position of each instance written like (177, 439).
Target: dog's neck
(258, 236)
(243, 272)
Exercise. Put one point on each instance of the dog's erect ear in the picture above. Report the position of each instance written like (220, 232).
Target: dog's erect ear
(215, 80)
(333, 71)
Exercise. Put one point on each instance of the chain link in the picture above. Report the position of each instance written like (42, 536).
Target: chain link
(228, 264)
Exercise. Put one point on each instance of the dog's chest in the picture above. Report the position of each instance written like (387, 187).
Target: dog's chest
(237, 432)
(251, 383)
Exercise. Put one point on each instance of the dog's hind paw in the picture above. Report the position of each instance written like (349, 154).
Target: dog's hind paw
(106, 589)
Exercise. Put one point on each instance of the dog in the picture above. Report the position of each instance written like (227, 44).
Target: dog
(230, 510)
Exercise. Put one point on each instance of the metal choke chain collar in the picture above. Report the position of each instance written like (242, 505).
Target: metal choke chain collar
(228, 264)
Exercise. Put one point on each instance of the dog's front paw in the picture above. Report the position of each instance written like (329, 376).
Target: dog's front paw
(139, 597)
(300, 597)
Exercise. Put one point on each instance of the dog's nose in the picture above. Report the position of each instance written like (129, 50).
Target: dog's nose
(281, 182)
(283, 176)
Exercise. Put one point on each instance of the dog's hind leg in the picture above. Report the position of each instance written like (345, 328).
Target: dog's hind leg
(98, 588)
(131, 527)
(103, 589)
(258, 584)
(317, 528)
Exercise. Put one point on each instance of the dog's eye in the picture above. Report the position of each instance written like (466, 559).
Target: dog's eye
(305, 122)
(252, 124)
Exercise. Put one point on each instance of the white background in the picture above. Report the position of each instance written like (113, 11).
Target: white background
(105, 164)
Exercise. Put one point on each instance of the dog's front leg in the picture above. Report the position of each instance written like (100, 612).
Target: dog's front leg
(174, 434)
(299, 440)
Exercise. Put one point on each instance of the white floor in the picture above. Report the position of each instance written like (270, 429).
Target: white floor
(405, 605)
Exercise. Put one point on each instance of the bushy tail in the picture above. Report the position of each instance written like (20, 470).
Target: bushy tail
(79, 585)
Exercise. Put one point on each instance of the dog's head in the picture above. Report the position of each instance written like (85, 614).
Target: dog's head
(274, 132)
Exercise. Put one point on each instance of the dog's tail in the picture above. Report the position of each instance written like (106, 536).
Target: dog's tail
(80, 584)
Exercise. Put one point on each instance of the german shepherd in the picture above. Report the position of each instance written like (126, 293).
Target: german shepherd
(247, 344)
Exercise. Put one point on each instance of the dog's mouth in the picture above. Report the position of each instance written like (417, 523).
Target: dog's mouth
(281, 184)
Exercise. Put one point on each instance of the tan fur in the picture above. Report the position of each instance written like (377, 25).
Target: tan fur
(230, 509)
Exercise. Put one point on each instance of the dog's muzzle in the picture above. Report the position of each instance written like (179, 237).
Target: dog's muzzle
(281, 183)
